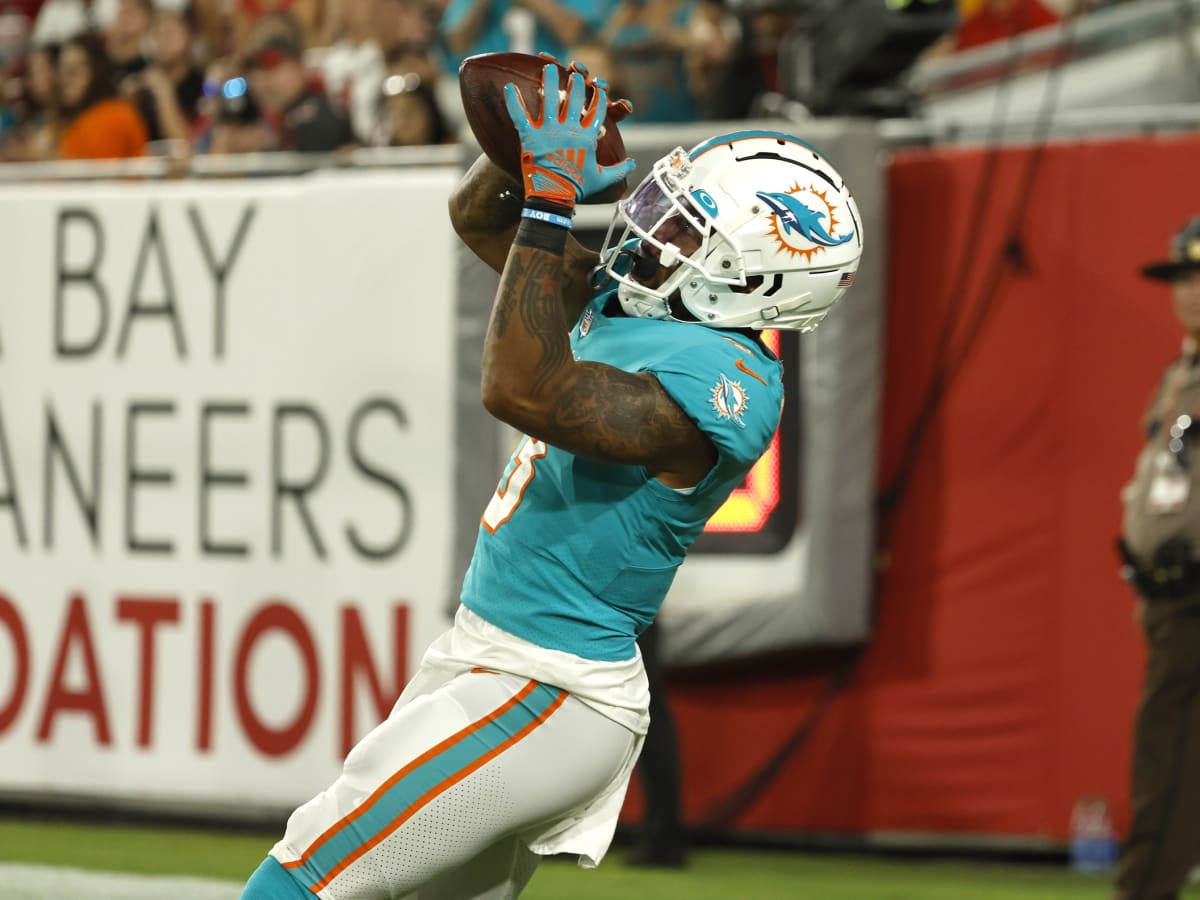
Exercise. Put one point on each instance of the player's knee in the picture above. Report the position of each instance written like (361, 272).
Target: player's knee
(271, 881)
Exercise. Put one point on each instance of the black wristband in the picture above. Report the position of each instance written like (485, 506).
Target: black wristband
(542, 236)
(559, 209)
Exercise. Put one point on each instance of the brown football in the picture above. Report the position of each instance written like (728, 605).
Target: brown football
(482, 79)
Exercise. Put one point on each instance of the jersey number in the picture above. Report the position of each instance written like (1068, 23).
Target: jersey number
(508, 495)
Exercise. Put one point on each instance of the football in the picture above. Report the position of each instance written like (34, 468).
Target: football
(481, 81)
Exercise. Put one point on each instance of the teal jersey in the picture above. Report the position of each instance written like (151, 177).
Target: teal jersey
(577, 555)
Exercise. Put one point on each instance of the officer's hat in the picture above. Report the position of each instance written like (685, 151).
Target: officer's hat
(1185, 255)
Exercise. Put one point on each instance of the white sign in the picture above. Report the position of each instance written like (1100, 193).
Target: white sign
(225, 484)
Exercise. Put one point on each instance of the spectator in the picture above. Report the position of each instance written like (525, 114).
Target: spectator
(41, 78)
(97, 124)
(422, 61)
(308, 122)
(404, 22)
(14, 35)
(126, 37)
(560, 24)
(997, 20)
(713, 35)
(407, 57)
(239, 125)
(409, 115)
(753, 69)
(596, 57)
(472, 26)
(651, 43)
(26, 9)
(36, 135)
(213, 26)
(60, 20)
(353, 67)
(248, 13)
(167, 92)
(216, 74)
(481, 26)
(280, 23)
(8, 113)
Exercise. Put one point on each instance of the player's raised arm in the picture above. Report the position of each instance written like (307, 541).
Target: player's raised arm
(485, 208)
(530, 378)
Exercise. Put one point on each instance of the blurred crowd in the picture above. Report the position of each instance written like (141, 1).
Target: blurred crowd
(987, 21)
(91, 79)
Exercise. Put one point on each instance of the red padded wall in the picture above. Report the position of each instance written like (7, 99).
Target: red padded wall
(1002, 677)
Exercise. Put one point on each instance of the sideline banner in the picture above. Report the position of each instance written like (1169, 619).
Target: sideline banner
(225, 482)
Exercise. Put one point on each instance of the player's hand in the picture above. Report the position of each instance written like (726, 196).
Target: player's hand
(617, 109)
(558, 148)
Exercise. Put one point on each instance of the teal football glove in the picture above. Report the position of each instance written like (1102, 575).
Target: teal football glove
(558, 151)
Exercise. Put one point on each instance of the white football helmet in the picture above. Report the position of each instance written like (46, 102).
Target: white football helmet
(755, 229)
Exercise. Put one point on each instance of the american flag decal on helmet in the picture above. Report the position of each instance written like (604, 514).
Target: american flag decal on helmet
(846, 280)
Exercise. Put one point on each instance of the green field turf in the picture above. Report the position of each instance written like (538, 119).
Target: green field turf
(712, 875)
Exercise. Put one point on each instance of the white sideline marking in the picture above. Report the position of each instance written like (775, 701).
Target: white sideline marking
(24, 882)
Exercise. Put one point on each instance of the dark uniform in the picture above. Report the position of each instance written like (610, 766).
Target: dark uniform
(1161, 547)
(310, 123)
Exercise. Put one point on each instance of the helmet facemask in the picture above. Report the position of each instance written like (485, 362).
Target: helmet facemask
(665, 225)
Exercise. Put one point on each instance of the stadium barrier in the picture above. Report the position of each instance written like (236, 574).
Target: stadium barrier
(1001, 673)
(242, 460)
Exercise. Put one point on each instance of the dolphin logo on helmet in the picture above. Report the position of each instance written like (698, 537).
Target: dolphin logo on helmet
(795, 216)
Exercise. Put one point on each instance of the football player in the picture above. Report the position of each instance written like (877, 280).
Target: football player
(645, 396)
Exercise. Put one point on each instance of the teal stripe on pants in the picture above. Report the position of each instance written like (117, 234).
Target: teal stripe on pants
(271, 881)
(381, 814)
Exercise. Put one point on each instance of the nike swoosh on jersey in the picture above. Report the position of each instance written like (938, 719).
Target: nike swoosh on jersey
(740, 364)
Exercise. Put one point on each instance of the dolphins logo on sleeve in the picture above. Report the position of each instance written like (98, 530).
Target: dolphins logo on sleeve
(729, 400)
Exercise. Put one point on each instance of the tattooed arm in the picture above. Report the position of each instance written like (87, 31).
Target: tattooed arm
(532, 382)
(485, 209)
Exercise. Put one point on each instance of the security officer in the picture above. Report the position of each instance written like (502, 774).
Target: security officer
(1160, 544)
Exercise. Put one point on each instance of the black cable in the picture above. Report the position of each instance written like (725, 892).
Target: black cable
(723, 813)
